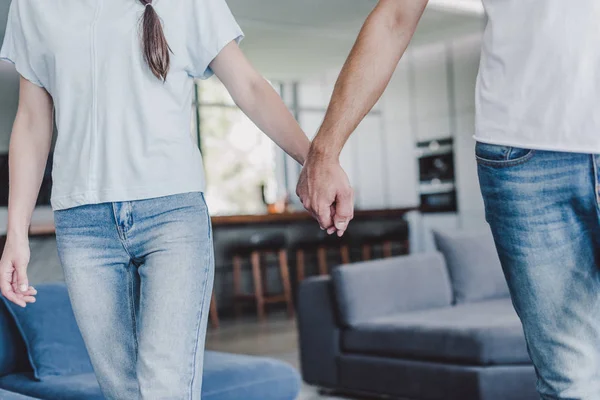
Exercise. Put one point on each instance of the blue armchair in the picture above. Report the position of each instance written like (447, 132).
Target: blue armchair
(226, 376)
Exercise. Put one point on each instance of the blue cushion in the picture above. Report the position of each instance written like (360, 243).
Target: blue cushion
(53, 340)
(378, 288)
(12, 348)
(72, 387)
(226, 377)
(4, 395)
(473, 264)
(234, 377)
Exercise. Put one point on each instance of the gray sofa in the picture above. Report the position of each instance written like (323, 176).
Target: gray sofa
(422, 327)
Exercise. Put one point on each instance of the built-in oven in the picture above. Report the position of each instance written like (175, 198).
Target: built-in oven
(436, 176)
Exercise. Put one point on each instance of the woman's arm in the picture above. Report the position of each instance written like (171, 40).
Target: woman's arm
(257, 99)
(28, 154)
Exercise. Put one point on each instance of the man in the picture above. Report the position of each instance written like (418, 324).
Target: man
(538, 152)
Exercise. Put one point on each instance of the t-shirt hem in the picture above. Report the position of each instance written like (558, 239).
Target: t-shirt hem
(9, 59)
(117, 195)
(561, 147)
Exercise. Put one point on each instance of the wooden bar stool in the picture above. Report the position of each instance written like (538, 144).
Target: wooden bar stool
(214, 312)
(321, 244)
(385, 240)
(257, 250)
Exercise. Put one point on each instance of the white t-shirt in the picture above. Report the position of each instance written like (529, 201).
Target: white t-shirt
(123, 134)
(539, 79)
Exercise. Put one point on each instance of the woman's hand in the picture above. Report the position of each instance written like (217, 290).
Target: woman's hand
(13, 272)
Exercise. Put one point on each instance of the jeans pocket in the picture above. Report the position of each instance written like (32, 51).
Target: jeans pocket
(501, 156)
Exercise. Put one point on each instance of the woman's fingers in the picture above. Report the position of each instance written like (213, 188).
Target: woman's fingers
(21, 298)
(31, 291)
(11, 295)
(28, 299)
(6, 288)
(21, 276)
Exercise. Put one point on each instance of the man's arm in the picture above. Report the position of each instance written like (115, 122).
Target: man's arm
(323, 187)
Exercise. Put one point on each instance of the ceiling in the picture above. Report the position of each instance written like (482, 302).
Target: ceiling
(306, 38)
(303, 38)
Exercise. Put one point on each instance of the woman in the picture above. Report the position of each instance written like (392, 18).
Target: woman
(132, 227)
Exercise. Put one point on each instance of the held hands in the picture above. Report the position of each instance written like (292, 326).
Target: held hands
(13, 273)
(325, 192)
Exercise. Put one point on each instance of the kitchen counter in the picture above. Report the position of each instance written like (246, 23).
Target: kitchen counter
(42, 223)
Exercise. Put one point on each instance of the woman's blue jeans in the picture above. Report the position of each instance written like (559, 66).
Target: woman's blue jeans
(140, 276)
(543, 208)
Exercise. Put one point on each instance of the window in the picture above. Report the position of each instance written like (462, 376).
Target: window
(240, 160)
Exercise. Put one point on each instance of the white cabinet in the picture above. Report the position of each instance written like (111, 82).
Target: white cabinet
(422, 226)
(430, 91)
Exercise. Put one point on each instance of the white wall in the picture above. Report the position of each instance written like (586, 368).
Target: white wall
(444, 74)
(9, 88)
(465, 58)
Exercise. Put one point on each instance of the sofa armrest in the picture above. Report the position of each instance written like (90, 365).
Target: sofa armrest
(319, 332)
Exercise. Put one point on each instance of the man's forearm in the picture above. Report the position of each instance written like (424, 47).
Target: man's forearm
(368, 70)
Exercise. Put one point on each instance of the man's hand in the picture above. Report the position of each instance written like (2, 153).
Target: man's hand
(325, 192)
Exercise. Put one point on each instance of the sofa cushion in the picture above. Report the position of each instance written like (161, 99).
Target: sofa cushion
(378, 288)
(66, 387)
(226, 377)
(473, 264)
(5, 395)
(486, 333)
(54, 343)
(12, 348)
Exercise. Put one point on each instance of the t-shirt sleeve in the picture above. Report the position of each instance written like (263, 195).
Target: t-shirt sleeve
(15, 48)
(210, 27)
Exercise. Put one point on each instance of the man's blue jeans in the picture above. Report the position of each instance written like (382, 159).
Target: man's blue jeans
(543, 208)
(140, 277)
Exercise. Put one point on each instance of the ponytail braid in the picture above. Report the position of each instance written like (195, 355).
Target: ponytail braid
(154, 43)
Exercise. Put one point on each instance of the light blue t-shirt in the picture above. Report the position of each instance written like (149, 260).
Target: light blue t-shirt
(123, 134)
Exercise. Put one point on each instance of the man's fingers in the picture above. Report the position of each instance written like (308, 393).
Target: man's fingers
(344, 211)
(324, 216)
(332, 229)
